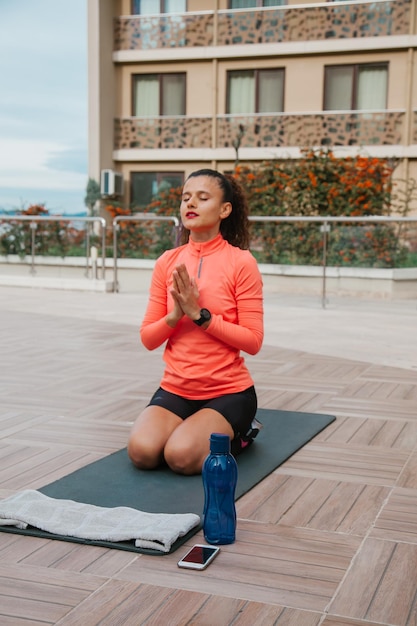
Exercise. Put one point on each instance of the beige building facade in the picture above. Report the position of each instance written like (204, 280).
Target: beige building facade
(176, 85)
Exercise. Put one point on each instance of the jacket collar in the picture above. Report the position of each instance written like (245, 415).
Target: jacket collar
(207, 247)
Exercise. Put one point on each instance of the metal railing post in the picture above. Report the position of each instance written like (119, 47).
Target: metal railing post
(115, 230)
(325, 228)
(87, 249)
(33, 227)
(103, 248)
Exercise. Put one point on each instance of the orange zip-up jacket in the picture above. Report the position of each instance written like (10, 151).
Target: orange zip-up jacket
(202, 364)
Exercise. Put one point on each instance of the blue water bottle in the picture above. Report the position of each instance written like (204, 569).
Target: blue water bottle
(219, 479)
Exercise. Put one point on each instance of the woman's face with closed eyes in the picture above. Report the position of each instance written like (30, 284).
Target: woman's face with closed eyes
(203, 207)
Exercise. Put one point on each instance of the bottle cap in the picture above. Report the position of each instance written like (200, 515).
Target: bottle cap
(219, 443)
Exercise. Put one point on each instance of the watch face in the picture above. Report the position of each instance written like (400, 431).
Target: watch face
(205, 314)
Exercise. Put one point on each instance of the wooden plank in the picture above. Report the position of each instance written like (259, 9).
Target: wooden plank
(221, 611)
(321, 504)
(353, 463)
(381, 585)
(41, 466)
(41, 594)
(277, 565)
(408, 477)
(397, 520)
(367, 408)
(345, 621)
(397, 589)
(118, 602)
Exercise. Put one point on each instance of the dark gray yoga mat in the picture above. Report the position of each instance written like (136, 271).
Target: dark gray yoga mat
(114, 481)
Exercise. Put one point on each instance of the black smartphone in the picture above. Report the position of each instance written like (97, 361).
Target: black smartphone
(199, 556)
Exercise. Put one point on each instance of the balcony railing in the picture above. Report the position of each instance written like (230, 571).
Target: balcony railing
(339, 20)
(341, 128)
(346, 128)
(333, 20)
(148, 32)
(41, 220)
(162, 132)
(323, 222)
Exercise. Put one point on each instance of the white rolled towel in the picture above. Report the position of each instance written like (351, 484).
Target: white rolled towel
(157, 531)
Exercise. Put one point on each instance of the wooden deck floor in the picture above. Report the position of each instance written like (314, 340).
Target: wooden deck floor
(329, 538)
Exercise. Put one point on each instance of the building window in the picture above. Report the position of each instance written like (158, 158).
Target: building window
(155, 7)
(158, 94)
(255, 91)
(253, 4)
(146, 186)
(356, 87)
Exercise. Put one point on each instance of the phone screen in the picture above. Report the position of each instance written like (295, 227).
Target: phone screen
(199, 554)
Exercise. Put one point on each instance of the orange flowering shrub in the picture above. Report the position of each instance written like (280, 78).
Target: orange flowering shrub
(168, 204)
(134, 238)
(319, 184)
(147, 238)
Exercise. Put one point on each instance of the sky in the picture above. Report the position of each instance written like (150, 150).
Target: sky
(43, 104)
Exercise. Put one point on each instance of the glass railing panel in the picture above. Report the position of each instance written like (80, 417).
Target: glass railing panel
(349, 128)
(333, 20)
(346, 128)
(314, 22)
(149, 32)
(162, 132)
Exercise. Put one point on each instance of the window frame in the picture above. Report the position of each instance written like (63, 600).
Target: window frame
(160, 177)
(256, 72)
(162, 7)
(259, 5)
(356, 67)
(160, 76)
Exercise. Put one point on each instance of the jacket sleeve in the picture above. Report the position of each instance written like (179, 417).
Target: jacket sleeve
(247, 334)
(154, 330)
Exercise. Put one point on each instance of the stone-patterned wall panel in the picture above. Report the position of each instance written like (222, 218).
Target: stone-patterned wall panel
(136, 33)
(228, 129)
(137, 133)
(333, 21)
(379, 128)
(186, 133)
(162, 133)
(240, 28)
(259, 131)
(199, 132)
(147, 33)
(327, 129)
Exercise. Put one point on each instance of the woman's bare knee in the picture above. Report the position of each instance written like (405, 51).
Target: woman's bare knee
(149, 435)
(183, 459)
(143, 456)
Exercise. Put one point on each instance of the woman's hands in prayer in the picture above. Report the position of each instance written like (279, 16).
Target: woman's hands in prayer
(185, 294)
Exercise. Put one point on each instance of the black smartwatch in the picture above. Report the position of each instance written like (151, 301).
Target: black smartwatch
(205, 316)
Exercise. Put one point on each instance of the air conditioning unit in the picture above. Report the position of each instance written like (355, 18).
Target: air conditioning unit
(111, 183)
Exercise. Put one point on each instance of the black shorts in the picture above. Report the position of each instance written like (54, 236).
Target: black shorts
(238, 409)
